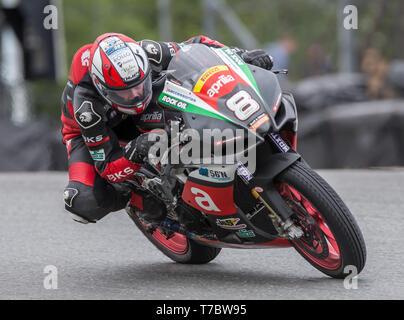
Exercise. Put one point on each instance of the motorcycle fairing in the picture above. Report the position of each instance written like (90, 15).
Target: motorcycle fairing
(185, 91)
(185, 80)
(210, 198)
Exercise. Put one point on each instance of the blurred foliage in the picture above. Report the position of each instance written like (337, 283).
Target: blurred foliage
(381, 25)
(46, 98)
(307, 21)
(85, 20)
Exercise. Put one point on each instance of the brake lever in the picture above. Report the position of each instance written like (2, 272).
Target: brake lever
(282, 71)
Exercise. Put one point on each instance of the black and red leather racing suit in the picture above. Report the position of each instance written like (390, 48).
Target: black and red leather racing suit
(92, 130)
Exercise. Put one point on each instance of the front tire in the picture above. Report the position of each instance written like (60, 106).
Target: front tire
(332, 239)
(178, 248)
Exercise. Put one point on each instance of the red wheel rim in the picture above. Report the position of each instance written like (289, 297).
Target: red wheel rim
(333, 260)
(177, 243)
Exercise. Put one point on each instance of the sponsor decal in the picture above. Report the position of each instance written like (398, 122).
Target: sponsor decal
(233, 60)
(156, 116)
(171, 49)
(259, 189)
(196, 105)
(206, 75)
(181, 95)
(112, 45)
(121, 55)
(230, 224)
(127, 69)
(234, 56)
(173, 102)
(214, 174)
(95, 139)
(279, 142)
(125, 65)
(209, 199)
(98, 155)
(242, 105)
(215, 88)
(85, 58)
(244, 233)
(118, 176)
(230, 62)
(244, 173)
(176, 82)
(204, 200)
(259, 121)
(85, 116)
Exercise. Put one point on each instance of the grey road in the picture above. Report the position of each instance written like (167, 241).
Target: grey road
(112, 260)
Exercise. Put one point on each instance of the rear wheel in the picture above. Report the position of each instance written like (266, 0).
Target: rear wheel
(177, 247)
(332, 239)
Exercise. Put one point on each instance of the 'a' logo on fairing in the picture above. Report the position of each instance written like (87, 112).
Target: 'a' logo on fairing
(204, 201)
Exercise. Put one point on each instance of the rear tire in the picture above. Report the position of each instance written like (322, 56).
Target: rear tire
(338, 241)
(178, 248)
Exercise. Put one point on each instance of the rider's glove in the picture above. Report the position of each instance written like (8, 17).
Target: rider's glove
(258, 58)
(137, 149)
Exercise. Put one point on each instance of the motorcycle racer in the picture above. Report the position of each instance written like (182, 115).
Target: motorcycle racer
(111, 83)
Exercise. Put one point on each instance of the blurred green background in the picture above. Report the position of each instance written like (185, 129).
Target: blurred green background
(381, 25)
(348, 84)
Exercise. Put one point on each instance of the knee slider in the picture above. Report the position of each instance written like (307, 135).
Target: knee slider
(69, 197)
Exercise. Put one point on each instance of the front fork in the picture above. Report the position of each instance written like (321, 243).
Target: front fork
(262, 185)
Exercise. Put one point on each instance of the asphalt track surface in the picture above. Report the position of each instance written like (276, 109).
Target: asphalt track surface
(113, 260)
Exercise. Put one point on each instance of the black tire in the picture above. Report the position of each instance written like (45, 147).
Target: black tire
(336, 215)
(194, 253)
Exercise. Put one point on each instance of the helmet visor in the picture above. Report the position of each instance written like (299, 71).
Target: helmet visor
(132, 97)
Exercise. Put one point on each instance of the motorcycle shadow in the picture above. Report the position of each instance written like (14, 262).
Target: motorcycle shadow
(212, 275)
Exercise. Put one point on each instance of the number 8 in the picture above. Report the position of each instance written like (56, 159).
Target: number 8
(243, 105)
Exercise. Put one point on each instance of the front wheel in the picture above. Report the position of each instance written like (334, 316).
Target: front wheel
(332, 239)
(177, 247)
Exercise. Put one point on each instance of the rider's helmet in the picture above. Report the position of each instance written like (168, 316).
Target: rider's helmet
(120, 70)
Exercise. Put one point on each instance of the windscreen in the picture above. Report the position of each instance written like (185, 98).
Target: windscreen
(221, 82)
(190, 63)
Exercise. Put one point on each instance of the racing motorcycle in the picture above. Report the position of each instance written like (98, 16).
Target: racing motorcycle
(275, 200)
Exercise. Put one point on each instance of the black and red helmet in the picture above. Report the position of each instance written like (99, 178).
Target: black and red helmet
(121, 72)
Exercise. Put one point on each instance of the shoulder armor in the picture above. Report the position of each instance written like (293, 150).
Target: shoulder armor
(153, 50)
(86, 116)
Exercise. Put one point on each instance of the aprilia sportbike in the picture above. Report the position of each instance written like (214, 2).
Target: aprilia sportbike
(270, 199)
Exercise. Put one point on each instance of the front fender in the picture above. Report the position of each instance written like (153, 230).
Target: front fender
(264, 178)
(276, 163)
